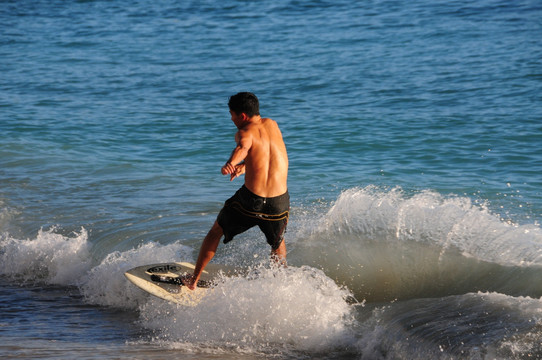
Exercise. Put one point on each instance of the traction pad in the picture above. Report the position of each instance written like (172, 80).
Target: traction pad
(177, 281)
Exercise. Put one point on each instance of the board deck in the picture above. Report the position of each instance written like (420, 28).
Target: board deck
(163, 280)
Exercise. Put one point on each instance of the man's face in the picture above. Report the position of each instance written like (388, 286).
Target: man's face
(237, 119)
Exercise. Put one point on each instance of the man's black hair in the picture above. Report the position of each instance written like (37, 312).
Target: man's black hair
(244, 102)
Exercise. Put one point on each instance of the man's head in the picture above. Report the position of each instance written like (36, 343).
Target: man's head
(244, 102)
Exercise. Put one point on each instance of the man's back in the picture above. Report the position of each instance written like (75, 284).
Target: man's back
(267, 160)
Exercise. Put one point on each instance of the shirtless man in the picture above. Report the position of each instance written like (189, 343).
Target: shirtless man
(263, 200)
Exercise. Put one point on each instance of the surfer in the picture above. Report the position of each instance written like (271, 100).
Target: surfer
(263, 200)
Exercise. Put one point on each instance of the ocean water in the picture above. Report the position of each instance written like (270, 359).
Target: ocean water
(414, 131)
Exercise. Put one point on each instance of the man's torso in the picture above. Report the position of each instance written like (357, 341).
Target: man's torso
(266, 165)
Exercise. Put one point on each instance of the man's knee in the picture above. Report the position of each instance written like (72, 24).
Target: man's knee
(217, 229)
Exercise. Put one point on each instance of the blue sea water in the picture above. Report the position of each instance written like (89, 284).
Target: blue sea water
(414, 132)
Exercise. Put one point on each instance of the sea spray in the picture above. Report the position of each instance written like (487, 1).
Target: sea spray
(386, 245)
(432, 218)
(51, 258)
(55, 259)
(293, 308)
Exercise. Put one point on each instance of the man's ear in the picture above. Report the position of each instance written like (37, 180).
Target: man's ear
(244, 116)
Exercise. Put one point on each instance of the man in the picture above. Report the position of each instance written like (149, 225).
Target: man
(263, 200)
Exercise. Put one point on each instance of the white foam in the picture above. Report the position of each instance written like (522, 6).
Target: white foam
(294, 308)
(428, 217)
(55, 259)
(50, 257)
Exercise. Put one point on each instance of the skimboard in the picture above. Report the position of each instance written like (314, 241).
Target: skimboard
(164, 280)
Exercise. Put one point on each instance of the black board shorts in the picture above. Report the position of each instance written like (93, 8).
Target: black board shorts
(246, 209)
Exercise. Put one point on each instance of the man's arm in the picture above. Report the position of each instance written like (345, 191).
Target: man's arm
(233, 166)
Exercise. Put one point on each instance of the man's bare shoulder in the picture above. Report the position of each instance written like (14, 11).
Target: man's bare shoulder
(268, 121)
(266, 128)
(243, 135)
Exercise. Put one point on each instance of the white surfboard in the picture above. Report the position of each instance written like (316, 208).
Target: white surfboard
(163, 280)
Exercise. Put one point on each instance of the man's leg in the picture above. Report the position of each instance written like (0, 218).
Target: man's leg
(206, 253)
(279, 255)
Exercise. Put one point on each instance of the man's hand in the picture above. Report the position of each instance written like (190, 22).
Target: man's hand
(228, 168)
(233, 170)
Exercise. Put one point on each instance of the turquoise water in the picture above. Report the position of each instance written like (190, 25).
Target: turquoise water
(414, 132)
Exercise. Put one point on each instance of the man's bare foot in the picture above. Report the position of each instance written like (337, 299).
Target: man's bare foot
(189, 281)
